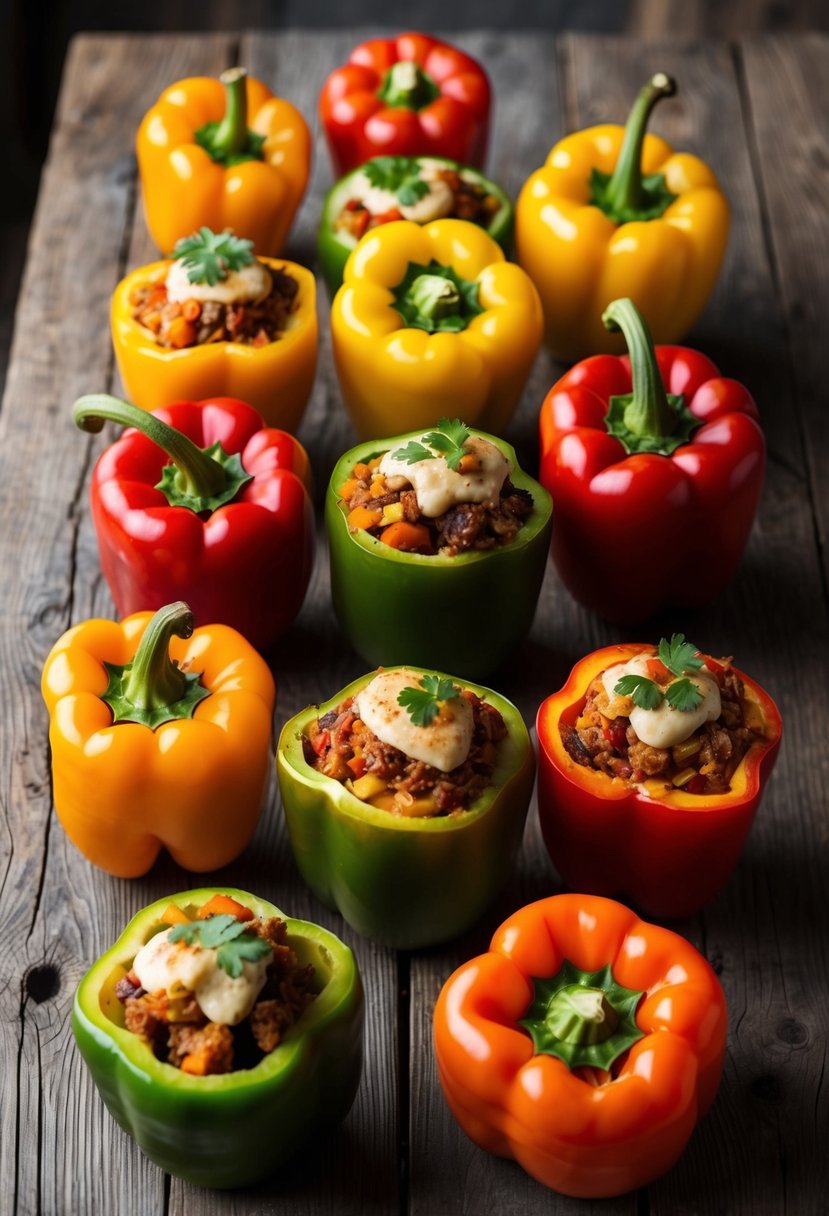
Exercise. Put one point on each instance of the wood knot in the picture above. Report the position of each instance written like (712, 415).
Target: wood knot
(792, 1032)
(42, 983)
(767, 1089)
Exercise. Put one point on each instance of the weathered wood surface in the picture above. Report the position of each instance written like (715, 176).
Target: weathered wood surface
(762, 1149)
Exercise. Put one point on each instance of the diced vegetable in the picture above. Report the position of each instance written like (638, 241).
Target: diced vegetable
(219, 904)
(368, 786)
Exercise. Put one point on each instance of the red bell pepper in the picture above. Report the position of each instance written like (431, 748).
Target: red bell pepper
(655, 463)
(667, 850)
(202, 501)
(406, 96)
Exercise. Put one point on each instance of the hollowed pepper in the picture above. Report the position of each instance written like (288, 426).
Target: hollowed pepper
(233, 1129)
(199, 500)
(226, 154)
(615, 212)
(667, 850)
(160, 737)
(431, 322)
(585, 1045)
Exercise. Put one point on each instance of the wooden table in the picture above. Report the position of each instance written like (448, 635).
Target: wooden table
(758, 112)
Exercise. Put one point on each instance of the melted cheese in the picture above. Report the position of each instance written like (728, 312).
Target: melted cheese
(243, 286)
(444, 743)
(437, 487)
(162, 965)
(439, 201)
(664, 726)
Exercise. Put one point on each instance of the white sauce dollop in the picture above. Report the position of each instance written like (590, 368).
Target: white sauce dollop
(438, 203)
(664, 726)
(444, 743)
(244, 286)
(437, 487)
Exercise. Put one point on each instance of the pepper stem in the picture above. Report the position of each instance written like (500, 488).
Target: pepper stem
(625, 191)
(231, 135)
(435, 297)
(581, 1015)
(407, 85)
(647, 411)
(154, 680)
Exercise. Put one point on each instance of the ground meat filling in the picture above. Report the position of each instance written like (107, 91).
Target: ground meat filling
(181, 1035)
(175, 325)
(472, 203)
(702, 764)
(340, 745)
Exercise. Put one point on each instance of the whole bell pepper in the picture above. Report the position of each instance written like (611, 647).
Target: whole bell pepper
(404, 882)
(222, 154)
(160, 737)
(200, 500)
(233, 1129)
(667, 850)
(406, 96)
(463, 613)
(335, 243)
(655, 463)
(615, 212)
(429, 322)
(585, 1045)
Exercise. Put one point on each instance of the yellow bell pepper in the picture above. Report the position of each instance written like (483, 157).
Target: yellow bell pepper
(158, 738)
(276, 379)
(615, 212)
(430, 322)
(203, 163)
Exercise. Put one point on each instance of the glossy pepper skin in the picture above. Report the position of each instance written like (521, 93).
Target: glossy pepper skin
(375, 105)
(275, 379)
(335, 247)
(463, 613)
(396, 377)
(580, 258)
(193, 784)
(405, 883)
(688, 512)
(667, 851)
(245, 562)
(233, 1129)
(583, 1132)
(184, 187)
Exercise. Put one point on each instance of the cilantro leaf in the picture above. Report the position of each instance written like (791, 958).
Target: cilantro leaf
(400, 175)
(644, 692)
(207, 256)
(413, 453)
(423, 703)
(679, 656)
(683, 695)
(228, 936)
(248, 948)
(447, 441)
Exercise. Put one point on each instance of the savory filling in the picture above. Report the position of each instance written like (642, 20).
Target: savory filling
(217, 993)
(409, 744)
(447, 493)
(681, 719)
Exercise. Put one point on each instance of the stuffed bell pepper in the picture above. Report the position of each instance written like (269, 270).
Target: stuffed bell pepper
(615, 212)
(652, 762)
(428, 319)
(222, 154)
(421, 189)
(655, 463)
(221, 1034)
(585, 1045)
(160, 737)
(405, 797)
(217, 321)
(201, 501)
(406, 96)
(438, 544)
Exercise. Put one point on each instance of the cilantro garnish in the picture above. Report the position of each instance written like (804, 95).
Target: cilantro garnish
(644, 692)
(424, 703)
(447, 441)
(208, 255)
(683, 695)
(228, 936)
(681, 658)
(400, 175)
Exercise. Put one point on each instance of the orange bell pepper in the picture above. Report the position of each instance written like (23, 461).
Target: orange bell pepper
(226, 154)
(161, 736)
(585, 1044)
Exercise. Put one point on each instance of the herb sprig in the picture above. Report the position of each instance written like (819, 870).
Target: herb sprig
(447, 441)
(424, 703)
(208, 255)
(228, 936)
(681, 659)
(400, 175)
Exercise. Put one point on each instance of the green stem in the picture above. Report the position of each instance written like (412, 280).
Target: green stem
(581, 1015)
(406, 85)
(435, 297)
(625, 192)
(231, 135)
(154, 680)
(647, 411)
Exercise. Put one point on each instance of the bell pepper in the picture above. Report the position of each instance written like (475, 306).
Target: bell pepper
(406, 96)
(234, 1129)
(615, 212)
(463, 613)
(667, 850)
(404, 882)
(158, 741)
(276, 379)
(656, 466)
(585, 1044)
(223, 154)
(200, 500)
(430, 317)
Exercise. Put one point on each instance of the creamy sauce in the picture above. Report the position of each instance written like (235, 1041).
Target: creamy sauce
(435, 205)
(444, 743)
(664, 726)
(437, 487)
(243, 286)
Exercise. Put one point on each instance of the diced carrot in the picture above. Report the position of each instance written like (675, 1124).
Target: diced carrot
(657, 670)
(362, 471)
(349, 488)
(157, 297)
(378, 488)
(191, 310)
(181, 333)
(174, 915)
(219, 904)
(374, 462)
(152, 320)
(363, 517)
(409, 538)
(357, 765)
(196, 1063)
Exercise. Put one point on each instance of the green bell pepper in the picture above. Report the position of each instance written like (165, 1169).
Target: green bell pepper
(232, 1129)
(334, 246)
(464, 613)
(404, 882)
